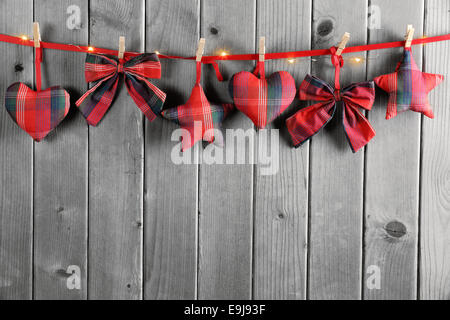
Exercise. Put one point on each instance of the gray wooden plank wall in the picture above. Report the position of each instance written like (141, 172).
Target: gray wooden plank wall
(109, 200)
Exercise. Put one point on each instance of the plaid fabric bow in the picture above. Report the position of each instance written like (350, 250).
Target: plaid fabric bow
(308, 121)
(106, 69)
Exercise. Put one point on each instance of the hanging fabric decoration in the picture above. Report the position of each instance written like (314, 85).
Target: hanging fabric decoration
(106, 69)
(408, 87)
(261, 99)
(198, 116)
(37, 112)
(308, 121)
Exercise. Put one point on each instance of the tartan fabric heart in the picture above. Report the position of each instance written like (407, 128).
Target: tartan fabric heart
(36, 112)
(262, 99)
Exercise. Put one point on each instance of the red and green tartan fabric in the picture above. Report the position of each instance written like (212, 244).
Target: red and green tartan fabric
(36, 112)
(308, 121)
(198, 116)
(264, 99)
(106, 71)
(408, 87)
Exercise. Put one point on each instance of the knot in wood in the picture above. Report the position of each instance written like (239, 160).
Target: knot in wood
(395, 229)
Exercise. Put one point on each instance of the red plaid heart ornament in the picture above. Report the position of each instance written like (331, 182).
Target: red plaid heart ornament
(262, 99)
(37, 112)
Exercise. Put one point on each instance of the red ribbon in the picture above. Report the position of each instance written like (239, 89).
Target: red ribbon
(209, 59)
(37, 64)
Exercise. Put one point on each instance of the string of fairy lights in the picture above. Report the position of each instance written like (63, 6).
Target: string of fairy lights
(352, 60)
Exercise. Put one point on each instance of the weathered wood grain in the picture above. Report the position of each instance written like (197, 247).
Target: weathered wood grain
(60, 164)
(16, 158)
(435, 172)
(392, 166)
(116, 167)
(170, 208)
(281, 198)
(226, 191)
(336, 177)
(147, 216)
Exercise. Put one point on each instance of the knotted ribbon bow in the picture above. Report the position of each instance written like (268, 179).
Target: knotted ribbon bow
(106, 70)
(308, 121)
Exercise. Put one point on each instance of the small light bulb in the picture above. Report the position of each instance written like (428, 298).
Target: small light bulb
(90, 49)
(223, 53)
(291, 60)
(24, 37)
(423, 37)
(356, 60)
(157, 52)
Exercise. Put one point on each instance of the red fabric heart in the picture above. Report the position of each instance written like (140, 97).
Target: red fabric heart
(36, 112)
(262, 100)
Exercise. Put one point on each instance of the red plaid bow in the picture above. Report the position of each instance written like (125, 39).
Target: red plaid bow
(106, 70)
(308, 121)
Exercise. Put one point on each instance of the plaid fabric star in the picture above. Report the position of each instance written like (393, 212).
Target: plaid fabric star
(408, 87)
(198, 116)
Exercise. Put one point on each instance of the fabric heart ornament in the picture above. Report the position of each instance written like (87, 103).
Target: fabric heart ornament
(262, 99)
(37, 112)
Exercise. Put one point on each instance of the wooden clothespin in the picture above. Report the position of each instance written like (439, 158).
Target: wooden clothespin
(200, 49)
(262, 48)
(343, 43)
(121, 47)
(409, 35)
(36, 35)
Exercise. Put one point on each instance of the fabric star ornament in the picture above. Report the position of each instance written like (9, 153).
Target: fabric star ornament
(106, 70)
(408, 87)
(308, 121)
(37, 112)
(198, 116)
(262, 99)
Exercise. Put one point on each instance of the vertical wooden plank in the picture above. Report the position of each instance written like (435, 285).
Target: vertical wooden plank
(116, 167)
(226, 191)
(16, 157)
(60, 178)
(170, 190)
(281, 198)
(392, 170)
(336, 179)
(435, 173)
